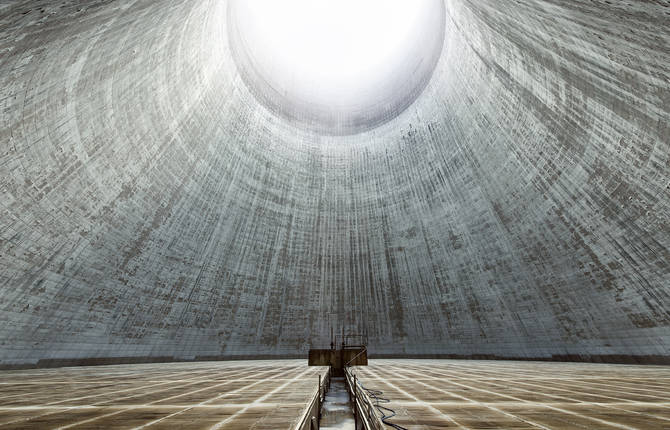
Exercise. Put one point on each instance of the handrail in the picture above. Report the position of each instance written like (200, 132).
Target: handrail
(364, 350)
(312, 414)
(364, 409)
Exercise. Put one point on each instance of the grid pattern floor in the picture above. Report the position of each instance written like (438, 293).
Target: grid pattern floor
(214, 395)
(446, 394)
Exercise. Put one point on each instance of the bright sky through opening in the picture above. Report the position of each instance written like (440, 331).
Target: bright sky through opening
(334, 40)
(337, 56)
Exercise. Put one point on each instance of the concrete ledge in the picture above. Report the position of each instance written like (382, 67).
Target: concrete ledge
(609, 359)
(107, 361)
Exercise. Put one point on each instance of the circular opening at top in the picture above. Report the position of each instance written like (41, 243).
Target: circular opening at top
(336, 66)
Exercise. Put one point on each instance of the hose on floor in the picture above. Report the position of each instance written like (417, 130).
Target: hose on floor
(387, 413)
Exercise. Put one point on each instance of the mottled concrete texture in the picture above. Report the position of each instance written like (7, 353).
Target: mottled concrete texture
(151, 207)
(258, 395)
(478, 395)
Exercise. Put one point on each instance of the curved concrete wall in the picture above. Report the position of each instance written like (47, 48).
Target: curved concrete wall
(151, 207)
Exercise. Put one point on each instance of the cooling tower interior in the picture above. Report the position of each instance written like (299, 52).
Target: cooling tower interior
(171, 190)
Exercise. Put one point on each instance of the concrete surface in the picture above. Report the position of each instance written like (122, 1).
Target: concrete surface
(336, 413)
(151, 207)
(446, 394)
(222, 395)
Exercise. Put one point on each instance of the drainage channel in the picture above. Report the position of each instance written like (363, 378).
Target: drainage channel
(336, 413)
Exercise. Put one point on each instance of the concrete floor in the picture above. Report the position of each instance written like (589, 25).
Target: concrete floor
(336, 413)
(426, 394)
(213, 395)
(442, 394)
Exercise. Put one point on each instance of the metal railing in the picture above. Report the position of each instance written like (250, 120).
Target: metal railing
(350, 339)
(365, 412)
(312, 415)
